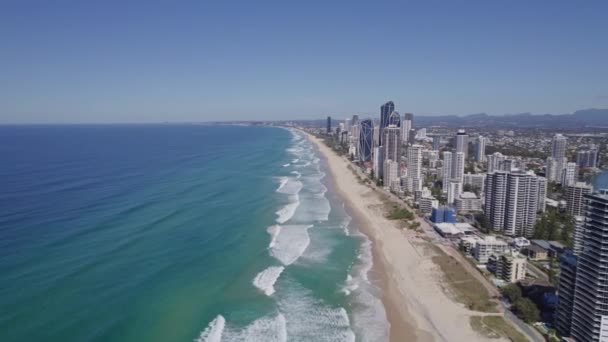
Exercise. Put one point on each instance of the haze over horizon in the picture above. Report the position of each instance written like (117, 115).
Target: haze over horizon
(144, 62)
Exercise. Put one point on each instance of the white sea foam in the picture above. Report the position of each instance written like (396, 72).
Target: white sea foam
(266, 279)
(298, 174)
(287, 211)
(286, 165)
(291, 187)
(283, 181)
(274, 232)
(309, 319)
(295, 160)
(265, 329)
(289, 243)
(213, 332)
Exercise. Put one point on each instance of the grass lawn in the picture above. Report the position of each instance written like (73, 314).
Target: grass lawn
(496, 327)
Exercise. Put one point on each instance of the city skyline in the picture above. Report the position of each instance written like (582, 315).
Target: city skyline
(199, 62)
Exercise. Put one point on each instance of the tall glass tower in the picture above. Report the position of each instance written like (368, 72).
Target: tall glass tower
(385, 111)
(366, 140)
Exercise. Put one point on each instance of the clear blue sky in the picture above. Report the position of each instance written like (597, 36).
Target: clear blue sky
(109, 61)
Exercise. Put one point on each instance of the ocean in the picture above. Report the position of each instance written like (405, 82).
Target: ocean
(177, 233)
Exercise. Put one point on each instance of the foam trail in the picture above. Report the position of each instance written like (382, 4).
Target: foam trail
(284, 181)
(213, 332)
(290, 243)
(291, 187)
(298, 174)
(266, 279)
(287, 212)
(274, 232)
(286, 165)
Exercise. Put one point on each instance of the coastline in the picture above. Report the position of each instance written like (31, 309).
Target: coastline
(417, 306)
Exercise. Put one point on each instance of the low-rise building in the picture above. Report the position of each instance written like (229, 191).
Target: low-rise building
(453, 230)
(510, 266)
(488, 246)
(535, 252)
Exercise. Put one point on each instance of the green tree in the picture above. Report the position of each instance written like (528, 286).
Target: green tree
(512, 292)
(525, 309)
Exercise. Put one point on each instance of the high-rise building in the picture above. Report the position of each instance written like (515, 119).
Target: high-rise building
(458, 166)
(577, 234)
(454, 190)
(355, 120)
(495, 162)
(412, 136)
(558, 153)
(366, 140)
(542, 193)
(512, 202)
(436, 142)
(391, 173)
(569, 174)
(587, 158)
(328, 124)
(590, 305)
(347, 125)
(475, 180)
(462, 142)
(394, 119)
(408, 124)
(385, 112)
(414, 168)
(376, 136)
(575, 198)
(565, 293)
(378, 162)
(392, 143)
(480, 149)
(447, 170)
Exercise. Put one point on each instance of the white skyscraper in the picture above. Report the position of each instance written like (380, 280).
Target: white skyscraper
(406, 126)
(378, 162)
(569, 174)
(462, 142)
(391, 173)
(414, 168)
(558, 153)
(454, 190)
(447, 169)
(392, 143)
(458, 166)
(512, 201)
(575, 198)
(480, 149)
(376, 136)
(495, 162)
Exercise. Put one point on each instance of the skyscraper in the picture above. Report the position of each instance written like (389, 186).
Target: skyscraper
(366, 138)
(412, 136)
(394, 119)
(328, 124)
(458, 166)
(575, 195)
(436, 142)
(392, 143)
(495, 162)
(447, 170)
(590, 305)
(567, 283)
(385, 112)
(462, 142)
(512, 201)
(414, 168)
(569, 174)
(407, 125)
(454, 190)
(378, 162)
(558, 153)
(480, 149)
(587, 158)
(391, 173)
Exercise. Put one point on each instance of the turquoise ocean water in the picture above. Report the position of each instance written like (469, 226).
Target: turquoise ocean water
(177, 233)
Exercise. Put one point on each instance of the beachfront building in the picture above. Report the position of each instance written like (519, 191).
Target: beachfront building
(575, 195)
(565, 293)
(590, 305)
(378, 162)
(454, 190)
(391, 173)
(512, 201)
(480, 149)
(509, 266)
(366, 140)
(414, 168)
(488, 246)
(427, 203)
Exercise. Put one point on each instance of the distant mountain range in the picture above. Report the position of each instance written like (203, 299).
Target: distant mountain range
(582, 118)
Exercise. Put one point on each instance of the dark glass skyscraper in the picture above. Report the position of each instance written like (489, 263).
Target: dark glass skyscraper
(366, 140)
(328, 124)
(394, 119)
(385, 112)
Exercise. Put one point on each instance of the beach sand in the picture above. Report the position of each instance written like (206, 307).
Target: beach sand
(418, 308)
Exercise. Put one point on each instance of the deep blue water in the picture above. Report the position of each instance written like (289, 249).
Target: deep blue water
(176, 233)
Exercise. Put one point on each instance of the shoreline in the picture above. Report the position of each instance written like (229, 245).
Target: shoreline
(416, 304)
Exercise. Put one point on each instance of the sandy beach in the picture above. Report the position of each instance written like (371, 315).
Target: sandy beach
(417, 306)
